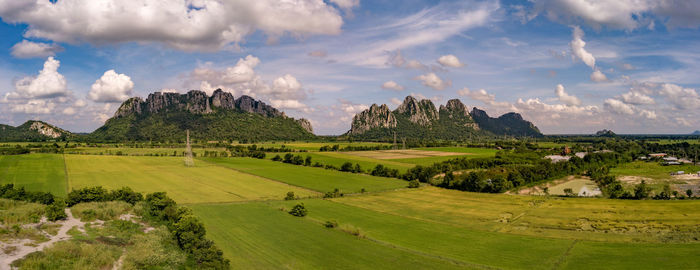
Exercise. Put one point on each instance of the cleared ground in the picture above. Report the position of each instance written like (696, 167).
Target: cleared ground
(34, 172)
(203, 183)
(318, 179)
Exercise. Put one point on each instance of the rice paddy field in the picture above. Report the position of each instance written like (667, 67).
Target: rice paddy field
(312, 146)
(240, 201)
(652, 170)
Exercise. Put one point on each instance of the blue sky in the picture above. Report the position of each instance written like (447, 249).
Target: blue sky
(569, 66)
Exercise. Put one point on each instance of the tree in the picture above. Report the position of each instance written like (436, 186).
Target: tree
(641, 191)
(346, 167)
(414, 183)
(569, 192)
(307, 161)
(56, 210)
(689, 192)
(298, 210)
(290, 196)
(277, 158)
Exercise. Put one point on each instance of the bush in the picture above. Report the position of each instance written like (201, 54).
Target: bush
(641, 191)
(298, 210)
(333, 194)
(346, 167)
(277, 158)
(56, 210)
(290, 196)
(330, 224)
(413, 183)
(569, 192)
(88, 194)
(126, 194)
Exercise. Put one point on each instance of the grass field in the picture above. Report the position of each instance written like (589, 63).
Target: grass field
(313, 178)
(313, 146)
(473, 152)
(443, 228)
(203, 183)
(652, 170)
(259, 236)
(35, 172)
(128, 151)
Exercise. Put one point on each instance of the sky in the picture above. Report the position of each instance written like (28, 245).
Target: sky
(569, 66)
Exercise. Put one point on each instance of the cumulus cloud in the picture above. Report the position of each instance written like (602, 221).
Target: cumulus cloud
(392, 85)
(449, 61)
(598, 76)
(433, 81)
(203, 25)
(618, 107)
(48, 84)
(30, 49)
(111, 87)
(565, 97)
(483, 96)
(34, 106)
(346, 5)
(577, 48)
(396, 59)
(637, 98)
(620, 14)
(681, 98)
(80, 103)
(69, 111)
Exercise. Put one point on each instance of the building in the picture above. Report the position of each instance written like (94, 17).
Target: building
(658, 155)
(557, 158)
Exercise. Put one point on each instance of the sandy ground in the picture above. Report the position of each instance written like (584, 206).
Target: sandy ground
(629, 179)
(22, 249)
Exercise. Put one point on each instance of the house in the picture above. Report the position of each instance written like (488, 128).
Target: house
(670, 159)
(658, 155)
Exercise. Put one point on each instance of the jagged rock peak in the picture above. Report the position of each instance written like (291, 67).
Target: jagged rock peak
(305, 124)
(422, 112)
(374, 117)
(476, 113)
(223, 99)
(130, 106)
(456, 108)
(249, 104)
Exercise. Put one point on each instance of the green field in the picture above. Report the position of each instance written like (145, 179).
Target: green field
(312, 146)
(652, 170)
(473, 152)
(259, 236)
(203, 183)
(133, 151)
(35, 172)
(443, 228)
(313, 178)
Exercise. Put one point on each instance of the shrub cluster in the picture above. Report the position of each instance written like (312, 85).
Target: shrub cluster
(8, 191)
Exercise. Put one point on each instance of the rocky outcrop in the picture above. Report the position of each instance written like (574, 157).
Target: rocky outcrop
(194, 101)
(511, 124)
(422, 113)
(45, 129)
(305, 124)
(249, 104)
(224, 100)
(374, 117)
(454, 109)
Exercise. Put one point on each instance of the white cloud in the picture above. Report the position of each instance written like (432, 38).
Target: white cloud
(618, 107)
(395, 101)
(396, 59)
(415, 64)
(577, 47)
(203, 25)
(598, 76)
(346, 5)
(69, 111)
(30, 49)
(111, 87)
(621, 14)
(433, 81)
(681, 98)
(565, 97)
(483, 96)
(450, 61)
(34, 106)
(637, 98)
(80, 103)
(648, 114)
(627, 66)
(392, 85)
(48, 84)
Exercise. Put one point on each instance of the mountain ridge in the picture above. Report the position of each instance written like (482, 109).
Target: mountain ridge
(33, 130)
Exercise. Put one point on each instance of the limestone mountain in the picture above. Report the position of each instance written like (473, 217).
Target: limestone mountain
(511, 124)
(32, 131)
(697, 132)
(416, 119)
(166, 116)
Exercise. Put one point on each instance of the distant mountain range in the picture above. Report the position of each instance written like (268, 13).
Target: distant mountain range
(32, 131)
(415, 119)
(697, 132)
(166, 116)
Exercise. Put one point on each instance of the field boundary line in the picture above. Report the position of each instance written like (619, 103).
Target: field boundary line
(269, 179)
(562, 258)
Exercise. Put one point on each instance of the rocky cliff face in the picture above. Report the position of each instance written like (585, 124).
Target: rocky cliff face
(422, 113)
(196, 102)
(511, 124)
(374, 117)
(45, 129)
(305, 124)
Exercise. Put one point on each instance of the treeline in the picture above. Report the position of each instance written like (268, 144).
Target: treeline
(188, 230)
(337, 148)
(612, 188)
(379, 170)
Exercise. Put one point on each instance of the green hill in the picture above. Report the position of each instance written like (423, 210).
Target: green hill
(32, 131)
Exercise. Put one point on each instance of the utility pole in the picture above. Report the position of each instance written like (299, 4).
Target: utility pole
(189, 160)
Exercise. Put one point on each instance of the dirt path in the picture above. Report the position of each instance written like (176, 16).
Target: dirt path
(22, 249)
